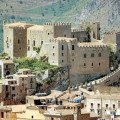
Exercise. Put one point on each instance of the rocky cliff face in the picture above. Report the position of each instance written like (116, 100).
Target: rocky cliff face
(107, 12)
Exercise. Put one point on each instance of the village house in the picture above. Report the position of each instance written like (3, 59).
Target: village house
(6, 67)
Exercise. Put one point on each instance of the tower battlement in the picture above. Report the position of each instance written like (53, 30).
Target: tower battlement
(58, 24)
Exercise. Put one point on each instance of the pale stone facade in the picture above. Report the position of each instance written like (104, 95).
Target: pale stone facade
(15, 39)
(18, 87)
(6, 67)
(114, 39)
(103, 104)
(95, 27)
(34, 39)
(62, 46)
(87, 60)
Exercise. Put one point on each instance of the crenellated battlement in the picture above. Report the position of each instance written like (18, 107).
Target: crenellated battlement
(109, 33)
(92, 45)
(58, 24)
(63, 40)
(77, 30)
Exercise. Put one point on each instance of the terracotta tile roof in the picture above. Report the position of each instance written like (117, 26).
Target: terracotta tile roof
(69, 95)
(7, 61)
(71, 104)
(86, 91)
(55, 94)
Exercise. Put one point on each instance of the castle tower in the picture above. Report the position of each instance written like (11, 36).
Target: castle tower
(15, 39)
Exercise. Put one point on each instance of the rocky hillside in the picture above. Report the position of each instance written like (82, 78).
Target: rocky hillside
(107, 12)
(74, 11)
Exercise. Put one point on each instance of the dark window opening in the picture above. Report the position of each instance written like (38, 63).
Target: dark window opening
(48, 33)
(6, 88)
(73, 47)
(64, 35)
(53, 47)
(62, 54)
(13, 88)
(53, 54)
(84, 55)
(52, 118)
(28, 48)
(62, 61)
(91, 105)
(99, 64)
(32, 116)
(18, 41)
(41, 42)
(92, 64)
(73, 36)
(106, 106)
(84, 64)
(62, 47)
(34, 43)
(2, 115)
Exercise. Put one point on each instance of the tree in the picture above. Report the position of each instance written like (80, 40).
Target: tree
(38, 49)
(88, 31)
(112, 55)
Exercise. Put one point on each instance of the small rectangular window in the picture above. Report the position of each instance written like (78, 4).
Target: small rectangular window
(34, 43)
(53, 54)
(13, 88)
(91, 105)
(62, 47)
(73, 47)
(62, 54)
(18, 41)
(84, 55)
(62, 61)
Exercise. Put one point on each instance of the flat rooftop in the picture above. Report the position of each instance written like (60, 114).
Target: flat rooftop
(36, 27)
(19, 24)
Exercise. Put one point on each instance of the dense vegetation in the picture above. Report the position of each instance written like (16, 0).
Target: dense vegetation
(32, 63)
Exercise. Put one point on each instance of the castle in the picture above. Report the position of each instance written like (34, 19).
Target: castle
(63, 45)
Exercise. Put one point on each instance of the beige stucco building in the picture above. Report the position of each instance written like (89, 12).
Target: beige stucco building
(6, 67)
